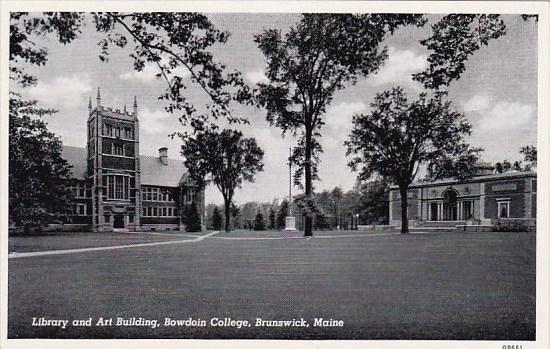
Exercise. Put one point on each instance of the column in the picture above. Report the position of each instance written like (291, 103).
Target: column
(527, 196)
(482, 201)
(390, 218)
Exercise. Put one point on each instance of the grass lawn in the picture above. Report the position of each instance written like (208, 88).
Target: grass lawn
(392, 286)
(61, 241)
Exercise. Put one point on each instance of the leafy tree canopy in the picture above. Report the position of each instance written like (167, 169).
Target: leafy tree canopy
(317, 57)
(454, 39)
(530, 155)
(399, 135)
(259, 223)
(226, 158)
(168, 40)
(39, 177)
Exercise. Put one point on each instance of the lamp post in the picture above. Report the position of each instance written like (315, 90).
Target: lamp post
(290, 221)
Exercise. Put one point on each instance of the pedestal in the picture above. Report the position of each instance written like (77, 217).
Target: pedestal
(290, 223)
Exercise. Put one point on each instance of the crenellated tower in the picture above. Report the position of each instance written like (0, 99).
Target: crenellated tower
(113, 166)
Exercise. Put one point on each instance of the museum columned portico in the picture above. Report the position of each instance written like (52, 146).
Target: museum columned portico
(451, 207)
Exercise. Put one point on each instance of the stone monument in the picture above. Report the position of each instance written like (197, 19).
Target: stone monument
(290, 220)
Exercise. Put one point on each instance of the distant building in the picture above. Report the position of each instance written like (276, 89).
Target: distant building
(484, 199)
(115, 187)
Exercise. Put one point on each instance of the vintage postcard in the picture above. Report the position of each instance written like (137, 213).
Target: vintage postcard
(310, 174)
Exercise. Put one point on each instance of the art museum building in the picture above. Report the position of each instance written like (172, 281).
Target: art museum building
(115, 187)
(485, 199)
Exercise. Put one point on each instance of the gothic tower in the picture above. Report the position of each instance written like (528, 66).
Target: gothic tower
(113, 167)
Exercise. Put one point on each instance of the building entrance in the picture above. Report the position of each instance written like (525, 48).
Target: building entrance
(450, 211)
(434, 211)
(119, 221)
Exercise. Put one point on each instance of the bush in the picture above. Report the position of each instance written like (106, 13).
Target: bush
(321, 221)
(192, 219)
(216, 219)
(510, 226)
(272, 219)
(259, 223)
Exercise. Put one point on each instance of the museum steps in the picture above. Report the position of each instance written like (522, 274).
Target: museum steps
(437, 226)
(441, 224)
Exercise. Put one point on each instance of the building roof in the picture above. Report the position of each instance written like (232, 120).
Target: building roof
(485, 178)
(153, 171)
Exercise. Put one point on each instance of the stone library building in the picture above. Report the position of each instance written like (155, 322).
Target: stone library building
(116, 188)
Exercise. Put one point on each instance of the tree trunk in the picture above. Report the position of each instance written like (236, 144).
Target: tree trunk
(404, 205)
(308, 226)
(227, 206)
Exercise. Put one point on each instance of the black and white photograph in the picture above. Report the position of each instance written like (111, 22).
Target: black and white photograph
(299, 172)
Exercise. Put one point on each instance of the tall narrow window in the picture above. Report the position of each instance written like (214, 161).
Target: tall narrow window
(108, 130)
(189, 194)
(126, 188)
(110, 187)
(503, 209)
(128, 134)
(118, 149)
(118, 187)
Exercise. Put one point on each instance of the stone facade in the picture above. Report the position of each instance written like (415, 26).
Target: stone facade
(482, 200)
(115, 187)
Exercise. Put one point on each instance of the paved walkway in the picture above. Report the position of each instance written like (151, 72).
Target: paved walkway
(105, 248)
(195, 238)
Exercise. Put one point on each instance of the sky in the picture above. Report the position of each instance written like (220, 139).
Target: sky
(497, 93)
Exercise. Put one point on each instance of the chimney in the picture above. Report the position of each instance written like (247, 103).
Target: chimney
(163, 155)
